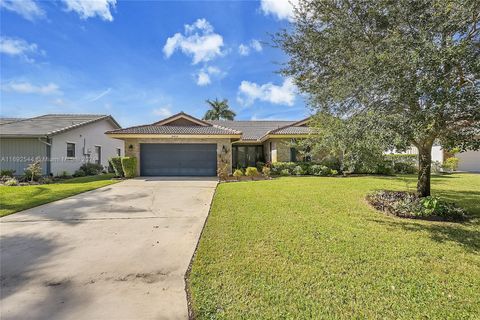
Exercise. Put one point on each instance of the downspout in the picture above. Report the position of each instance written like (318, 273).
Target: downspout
(48, 145)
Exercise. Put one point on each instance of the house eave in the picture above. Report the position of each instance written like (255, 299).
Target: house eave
(172, 136)
(285, 136)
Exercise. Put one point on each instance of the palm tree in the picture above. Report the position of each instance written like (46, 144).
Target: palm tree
(220, 110)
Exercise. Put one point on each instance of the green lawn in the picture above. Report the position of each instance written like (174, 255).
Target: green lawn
(14, 199)
(311, 248)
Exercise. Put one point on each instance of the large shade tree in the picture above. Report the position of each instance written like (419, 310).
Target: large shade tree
(414, 64)
(219, 110)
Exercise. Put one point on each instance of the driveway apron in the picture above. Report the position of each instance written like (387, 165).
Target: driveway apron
(119, 252)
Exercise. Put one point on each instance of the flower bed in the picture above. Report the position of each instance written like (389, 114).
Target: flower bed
(409, 205)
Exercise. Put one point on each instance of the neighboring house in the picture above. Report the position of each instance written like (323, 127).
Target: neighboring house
(182, 145)
(62, 142)
(468, 161)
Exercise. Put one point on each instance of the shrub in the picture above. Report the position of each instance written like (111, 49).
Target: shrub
(260, 165)
(385, 167)
(266, 171)
(46, 180)
(331, 162)
(129, 166)
(238, 173)
(450, 164)
(285, 172)
(116, 163)
(79, 173)
(251, 172)
(402, 167)
(333, 172)
(298, 171)
(33, 171)
(409, 205)
(320, 170)
(7, 173)
(401, 157)
(11, 182)
(91, 169)
(278, 167)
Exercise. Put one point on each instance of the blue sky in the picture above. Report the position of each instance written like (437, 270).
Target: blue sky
(143, 60)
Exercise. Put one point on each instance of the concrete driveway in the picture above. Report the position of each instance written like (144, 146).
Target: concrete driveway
(119, 252)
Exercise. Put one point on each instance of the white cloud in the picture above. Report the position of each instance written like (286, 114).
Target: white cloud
(17, 47)
(203, 78)
(162, 111)
(281, 9)
(244, 49)
(199, 41)
(27, 88)
(256, 45)
(26, 8)
(204, 75)
(249, 92)
(91, 8)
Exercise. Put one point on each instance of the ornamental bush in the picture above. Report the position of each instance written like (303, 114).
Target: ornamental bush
(91, 169)
(11, 182)
(298, 171)
(278, 167)
(320, 170)
(79, 173)
(7, 173)
(33, 171)
(238, 173)
(266, 171)
(251, 172)
(116, 163)
(450, 164)
(129, 166)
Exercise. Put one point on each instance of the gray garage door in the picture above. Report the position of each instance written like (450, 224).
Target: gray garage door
(178, 159)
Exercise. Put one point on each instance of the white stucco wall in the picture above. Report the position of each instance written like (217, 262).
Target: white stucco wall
(87, 136)
(469, 161)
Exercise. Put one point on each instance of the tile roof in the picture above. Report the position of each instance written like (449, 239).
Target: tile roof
(49, 124)
(8, 120)
(252, 130)
(291, 130)
(194, 130)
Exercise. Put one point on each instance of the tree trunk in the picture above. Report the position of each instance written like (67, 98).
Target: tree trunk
(424, 170)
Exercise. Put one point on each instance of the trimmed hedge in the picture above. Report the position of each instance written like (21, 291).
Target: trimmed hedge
(116, 163)
(129, 166)
(301, 168)
(91, 169)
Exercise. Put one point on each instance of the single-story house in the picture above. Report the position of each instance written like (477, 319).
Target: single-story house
(62, 142)
(182, 145)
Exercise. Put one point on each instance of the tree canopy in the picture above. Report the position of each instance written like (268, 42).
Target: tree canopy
(415, 65)
(220, 110)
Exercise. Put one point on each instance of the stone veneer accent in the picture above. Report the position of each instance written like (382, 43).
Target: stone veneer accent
(280, 150)
(134, 151)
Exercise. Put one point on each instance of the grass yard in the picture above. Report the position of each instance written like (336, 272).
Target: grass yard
(311, 248)
(14, 199)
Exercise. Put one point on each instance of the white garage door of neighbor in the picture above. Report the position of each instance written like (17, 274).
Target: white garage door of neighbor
(469, 161)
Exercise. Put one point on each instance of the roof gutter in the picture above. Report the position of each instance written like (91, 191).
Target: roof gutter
(44, 142)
